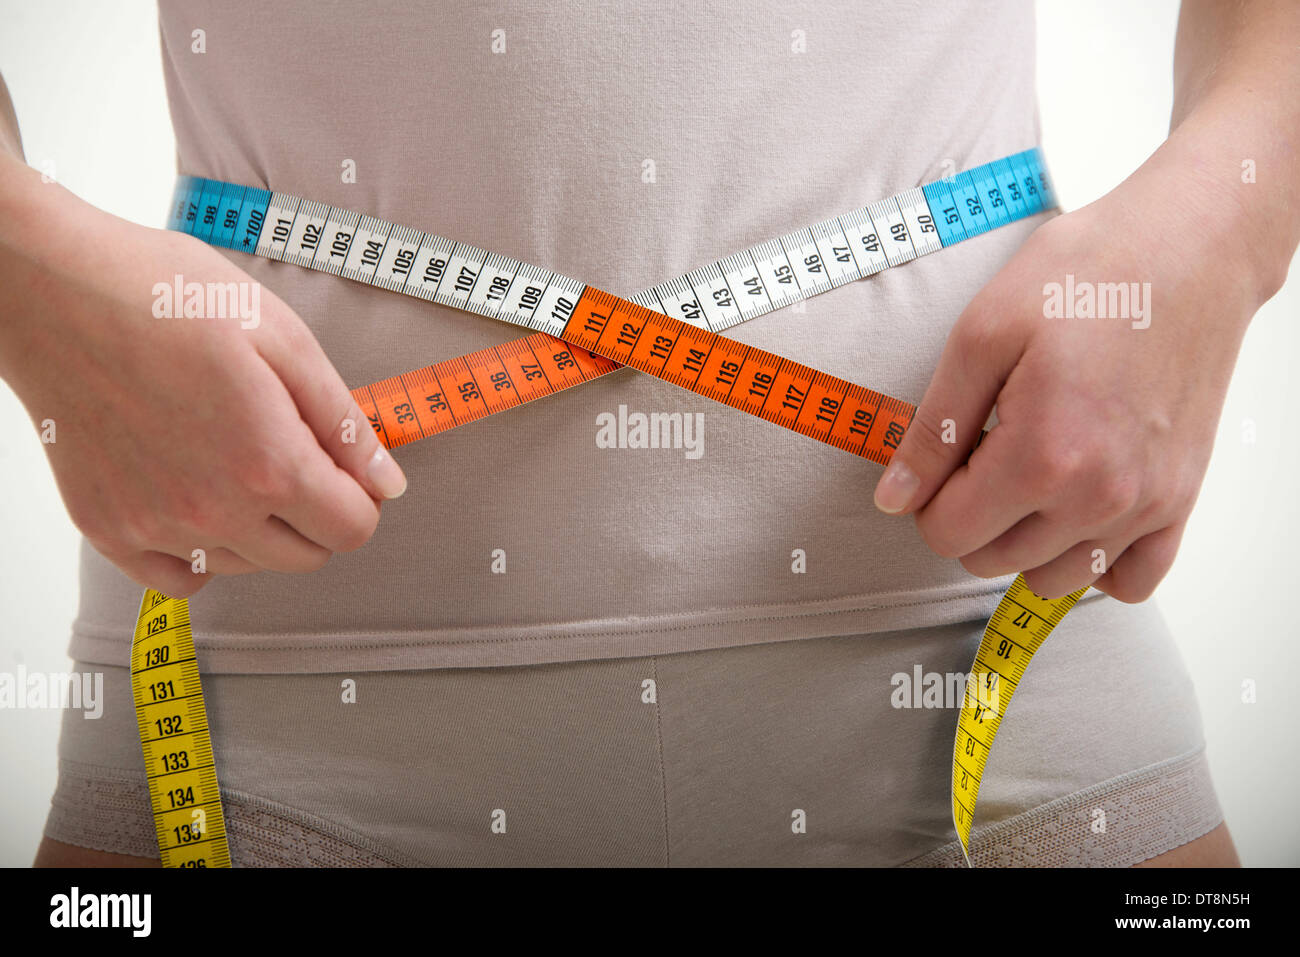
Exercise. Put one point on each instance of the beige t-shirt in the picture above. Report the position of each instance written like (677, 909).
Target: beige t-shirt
(622, 145)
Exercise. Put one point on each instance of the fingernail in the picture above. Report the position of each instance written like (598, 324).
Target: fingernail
(386, 474)
(896, 488)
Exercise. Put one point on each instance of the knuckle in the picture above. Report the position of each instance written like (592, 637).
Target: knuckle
(1183, 498)
(1114, 495)
(198, 517)
(923, 447)
(140, 528)
(1053, 466)
(357, 533)
(925, 434)
(977, 335)
(939, 538)
(353, 424)
(981, 567)
(268, 479)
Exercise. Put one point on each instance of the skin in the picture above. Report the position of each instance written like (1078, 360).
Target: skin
(1104, 432)
(236, 444)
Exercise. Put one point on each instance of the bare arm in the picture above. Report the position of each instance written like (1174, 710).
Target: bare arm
(10, 140)
(1236, 118)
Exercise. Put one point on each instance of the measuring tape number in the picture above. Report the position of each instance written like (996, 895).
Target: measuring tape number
(173, 722)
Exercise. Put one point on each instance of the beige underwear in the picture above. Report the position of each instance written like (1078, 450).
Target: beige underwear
(814, 752)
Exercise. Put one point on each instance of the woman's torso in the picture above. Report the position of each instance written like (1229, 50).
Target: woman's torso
(619, 145)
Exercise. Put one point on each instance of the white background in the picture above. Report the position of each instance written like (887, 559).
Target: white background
(86, 80)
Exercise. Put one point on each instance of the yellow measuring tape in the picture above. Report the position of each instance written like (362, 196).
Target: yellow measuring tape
(1019, 625)
(173, 720)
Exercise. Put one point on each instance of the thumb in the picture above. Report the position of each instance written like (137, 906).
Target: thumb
(328, 408)
(976, 360)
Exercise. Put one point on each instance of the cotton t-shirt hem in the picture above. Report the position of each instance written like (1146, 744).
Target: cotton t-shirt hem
(582, 640)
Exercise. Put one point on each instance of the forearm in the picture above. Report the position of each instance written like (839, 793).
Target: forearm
(17, 184)
(43, 231)
(10, 140)
(18, 196)
(40, 222)
(1232, 151)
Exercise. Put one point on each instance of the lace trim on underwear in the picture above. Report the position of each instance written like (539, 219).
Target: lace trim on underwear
(1146, 813)
(108, 809)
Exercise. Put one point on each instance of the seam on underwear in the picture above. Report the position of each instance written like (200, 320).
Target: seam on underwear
(66, 822)
(663, 769)
(1027, 839)
(355, 641)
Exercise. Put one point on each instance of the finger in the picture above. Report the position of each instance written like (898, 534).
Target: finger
(332, 510)
(1032, 542)
(276, 547)
(329, 410)
(214, 560)
(981, 500)
(976, 360)
(166, 573)
(1136, 573)
(222, 561)
(1076, 568)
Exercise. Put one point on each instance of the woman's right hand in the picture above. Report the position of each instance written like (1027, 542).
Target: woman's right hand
(235, 437)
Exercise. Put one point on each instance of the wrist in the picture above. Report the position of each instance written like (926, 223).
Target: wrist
(35, 213)
(41, 225)
(1223, 207)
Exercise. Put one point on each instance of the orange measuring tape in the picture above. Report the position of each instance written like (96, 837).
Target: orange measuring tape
(605, 332)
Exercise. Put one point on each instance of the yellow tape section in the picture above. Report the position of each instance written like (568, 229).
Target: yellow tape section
(1018, 627)
(174, 737)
